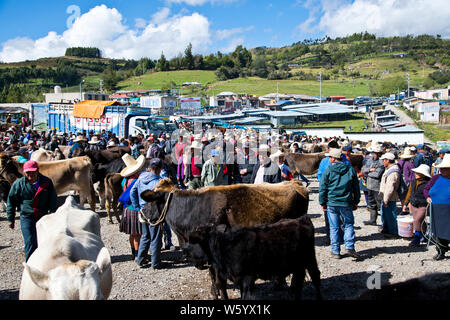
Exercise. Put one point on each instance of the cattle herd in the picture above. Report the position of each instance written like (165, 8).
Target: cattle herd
(239, 232)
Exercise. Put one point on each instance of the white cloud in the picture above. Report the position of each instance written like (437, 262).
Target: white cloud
(105, 28)
(381, 17)
(227, 33)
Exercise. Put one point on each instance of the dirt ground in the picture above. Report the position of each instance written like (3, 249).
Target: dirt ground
(341, 279)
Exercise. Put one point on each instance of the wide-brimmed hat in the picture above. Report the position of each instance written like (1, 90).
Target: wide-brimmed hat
(334, 153)
(423, 169)
(94, 140)
(79, 139)
(376, 148)
(111, 144)
(407, 154)
(388, 156)
(132, 166)
(196, 145)
(277, 154)
(445, 162)
(264, 147)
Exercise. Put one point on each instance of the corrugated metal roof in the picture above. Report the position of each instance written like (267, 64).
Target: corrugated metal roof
(404, 129)
(389, 123)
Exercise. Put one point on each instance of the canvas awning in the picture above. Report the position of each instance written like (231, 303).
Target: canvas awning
(92, 109)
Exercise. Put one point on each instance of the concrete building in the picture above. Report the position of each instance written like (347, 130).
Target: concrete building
(429, 111)
(160, 105)
(441, 94)
(71, 97)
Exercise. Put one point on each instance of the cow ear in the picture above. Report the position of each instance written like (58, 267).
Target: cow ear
(39, 278)
(149, 195)
(103, 260)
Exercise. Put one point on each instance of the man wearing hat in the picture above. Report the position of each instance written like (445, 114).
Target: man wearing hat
(212, 171)
(388, 194)
(339, 195)
(423, 156)
(265, 170)
(78, 143)
(437, 193)
(441, 153)
(151, 235)
(194, 167)
(94, 143)
(372, 172)
(246, 160)
(53, 144)
(35, 196)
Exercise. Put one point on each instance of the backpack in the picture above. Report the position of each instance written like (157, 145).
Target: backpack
(428, 159)
(402, 188)
(154, 149)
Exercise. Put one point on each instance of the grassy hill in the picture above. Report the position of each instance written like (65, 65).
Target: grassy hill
(341, 82)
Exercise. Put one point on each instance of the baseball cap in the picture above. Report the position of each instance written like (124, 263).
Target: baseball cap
(214, 153)
(334, 153)
(30, 166)
(389, 156)
(420, 146)
(156, 163)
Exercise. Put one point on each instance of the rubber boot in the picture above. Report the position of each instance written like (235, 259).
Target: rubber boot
(416, 239)
(373, 218)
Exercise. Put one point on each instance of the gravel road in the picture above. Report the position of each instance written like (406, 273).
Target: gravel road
(341, 279)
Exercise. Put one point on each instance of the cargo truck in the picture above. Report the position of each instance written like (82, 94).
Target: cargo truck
(123, 121)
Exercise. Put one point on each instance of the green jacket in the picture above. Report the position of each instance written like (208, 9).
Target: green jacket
(22, 194)
(211, 176)
(339, 186)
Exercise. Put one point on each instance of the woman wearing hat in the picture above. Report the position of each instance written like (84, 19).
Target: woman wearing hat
(437, 193)
(406, 166)
(94, 143)
(130, 218)
(417, 202)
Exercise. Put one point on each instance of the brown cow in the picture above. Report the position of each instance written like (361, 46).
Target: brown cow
(66, 175)
(306, 164)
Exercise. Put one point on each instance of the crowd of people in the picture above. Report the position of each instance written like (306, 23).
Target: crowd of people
(390, 175)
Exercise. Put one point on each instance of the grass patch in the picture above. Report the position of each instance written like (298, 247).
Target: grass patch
(158, 80)
(432, 131)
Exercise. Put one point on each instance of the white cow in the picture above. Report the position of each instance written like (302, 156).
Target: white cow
(71, 261)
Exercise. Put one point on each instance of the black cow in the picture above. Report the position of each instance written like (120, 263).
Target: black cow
(4, 190)
(235, 205)
(244, 254)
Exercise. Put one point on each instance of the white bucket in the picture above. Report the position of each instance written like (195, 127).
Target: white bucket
(405, 227)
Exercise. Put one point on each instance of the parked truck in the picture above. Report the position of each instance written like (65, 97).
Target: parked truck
(124, 121)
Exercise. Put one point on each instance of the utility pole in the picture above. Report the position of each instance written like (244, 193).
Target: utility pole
(408, 85)
(277, 92)
(101, 85)
(320, 79)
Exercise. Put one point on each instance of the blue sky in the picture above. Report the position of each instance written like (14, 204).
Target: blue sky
(131, 29)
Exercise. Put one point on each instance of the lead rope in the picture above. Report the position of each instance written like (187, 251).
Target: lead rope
(164, 212)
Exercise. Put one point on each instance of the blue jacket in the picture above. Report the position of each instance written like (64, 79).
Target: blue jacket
(146, 181)
(325, 163)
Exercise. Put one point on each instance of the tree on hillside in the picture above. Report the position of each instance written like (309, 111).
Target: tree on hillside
(189, 58)
(260, 66)
(388, 86)
(242, 57)
(110, 79)
(163, 64)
